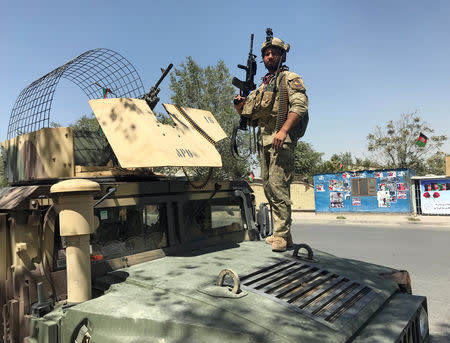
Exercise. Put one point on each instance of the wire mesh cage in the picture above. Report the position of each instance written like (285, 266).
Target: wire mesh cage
(91, 71)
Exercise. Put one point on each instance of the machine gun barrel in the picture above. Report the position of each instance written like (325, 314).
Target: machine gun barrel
(166, 71)
(152, 96)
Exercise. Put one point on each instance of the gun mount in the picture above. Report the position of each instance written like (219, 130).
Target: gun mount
(36, 152)
(152, 96)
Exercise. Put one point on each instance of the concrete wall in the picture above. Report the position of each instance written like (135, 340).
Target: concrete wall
(302, 195)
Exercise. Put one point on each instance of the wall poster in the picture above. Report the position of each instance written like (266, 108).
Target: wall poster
(435, 196)
(383, 198)
(336, 185)
(356, 201)
(336, 199)
(401, 186)
(401, 195)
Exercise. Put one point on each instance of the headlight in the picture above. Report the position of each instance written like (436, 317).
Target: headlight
(423, 322)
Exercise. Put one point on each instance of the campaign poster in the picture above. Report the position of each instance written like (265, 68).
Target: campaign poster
(401, 194)
(356, 201)
(392, 196)
(320, 188)
(335, 185)
(346, 185)
(401, 186)
(336, 199)
(435, 196)
(379, 174)
(387, 185)
(383, 198)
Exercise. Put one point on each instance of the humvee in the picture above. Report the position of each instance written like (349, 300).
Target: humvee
(95, 247)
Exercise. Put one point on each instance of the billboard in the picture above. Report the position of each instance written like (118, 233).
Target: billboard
(435, 196)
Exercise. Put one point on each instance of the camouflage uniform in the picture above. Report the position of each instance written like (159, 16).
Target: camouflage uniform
(277, 166)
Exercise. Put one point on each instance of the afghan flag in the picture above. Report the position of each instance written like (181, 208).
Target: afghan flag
(105, 92)
(251, 177)
(422, 140)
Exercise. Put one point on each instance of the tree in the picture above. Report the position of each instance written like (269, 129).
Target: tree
(85, 123)
(436, 164)
(394, 146)
(366, 163)
(307, 161)
(3, 182)
(345, 158)
(210, 89)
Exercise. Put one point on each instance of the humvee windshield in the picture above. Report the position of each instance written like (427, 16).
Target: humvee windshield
(133, 229)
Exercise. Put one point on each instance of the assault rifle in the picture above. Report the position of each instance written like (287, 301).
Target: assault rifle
(245, 87)
(152, 96)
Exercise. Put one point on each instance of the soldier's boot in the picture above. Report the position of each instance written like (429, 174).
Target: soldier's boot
(290, 243)
(279, 244)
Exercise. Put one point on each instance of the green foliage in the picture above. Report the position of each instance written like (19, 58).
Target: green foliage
(307, 161)
(366, 164)
(210, 89)
(86, 123)
(327, 167)
(3, 182)
(164, 119)
(436, 164)
(344, 157)
(394, 146)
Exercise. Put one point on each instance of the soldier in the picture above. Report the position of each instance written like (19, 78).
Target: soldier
(280, 108)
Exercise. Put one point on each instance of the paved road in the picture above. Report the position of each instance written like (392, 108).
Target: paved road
(421, 249)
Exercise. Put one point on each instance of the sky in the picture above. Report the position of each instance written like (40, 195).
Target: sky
(363, 62)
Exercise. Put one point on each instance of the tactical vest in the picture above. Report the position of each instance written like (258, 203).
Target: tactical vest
(263, 105)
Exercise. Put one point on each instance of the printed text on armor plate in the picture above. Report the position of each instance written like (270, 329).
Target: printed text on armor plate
(184, 153)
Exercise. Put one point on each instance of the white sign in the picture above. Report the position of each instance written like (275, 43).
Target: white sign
(435, 196)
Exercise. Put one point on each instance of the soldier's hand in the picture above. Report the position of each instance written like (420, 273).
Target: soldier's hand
(279, 139)
(239, 103)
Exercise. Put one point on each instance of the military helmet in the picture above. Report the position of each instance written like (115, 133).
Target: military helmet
(275, 42)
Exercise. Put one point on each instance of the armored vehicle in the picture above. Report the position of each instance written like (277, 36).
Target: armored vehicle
(95, 247)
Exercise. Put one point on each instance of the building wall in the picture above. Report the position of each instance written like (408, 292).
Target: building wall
(390, 191)
(302, 195)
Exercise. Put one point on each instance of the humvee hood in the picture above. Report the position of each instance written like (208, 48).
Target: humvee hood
(162, 299)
